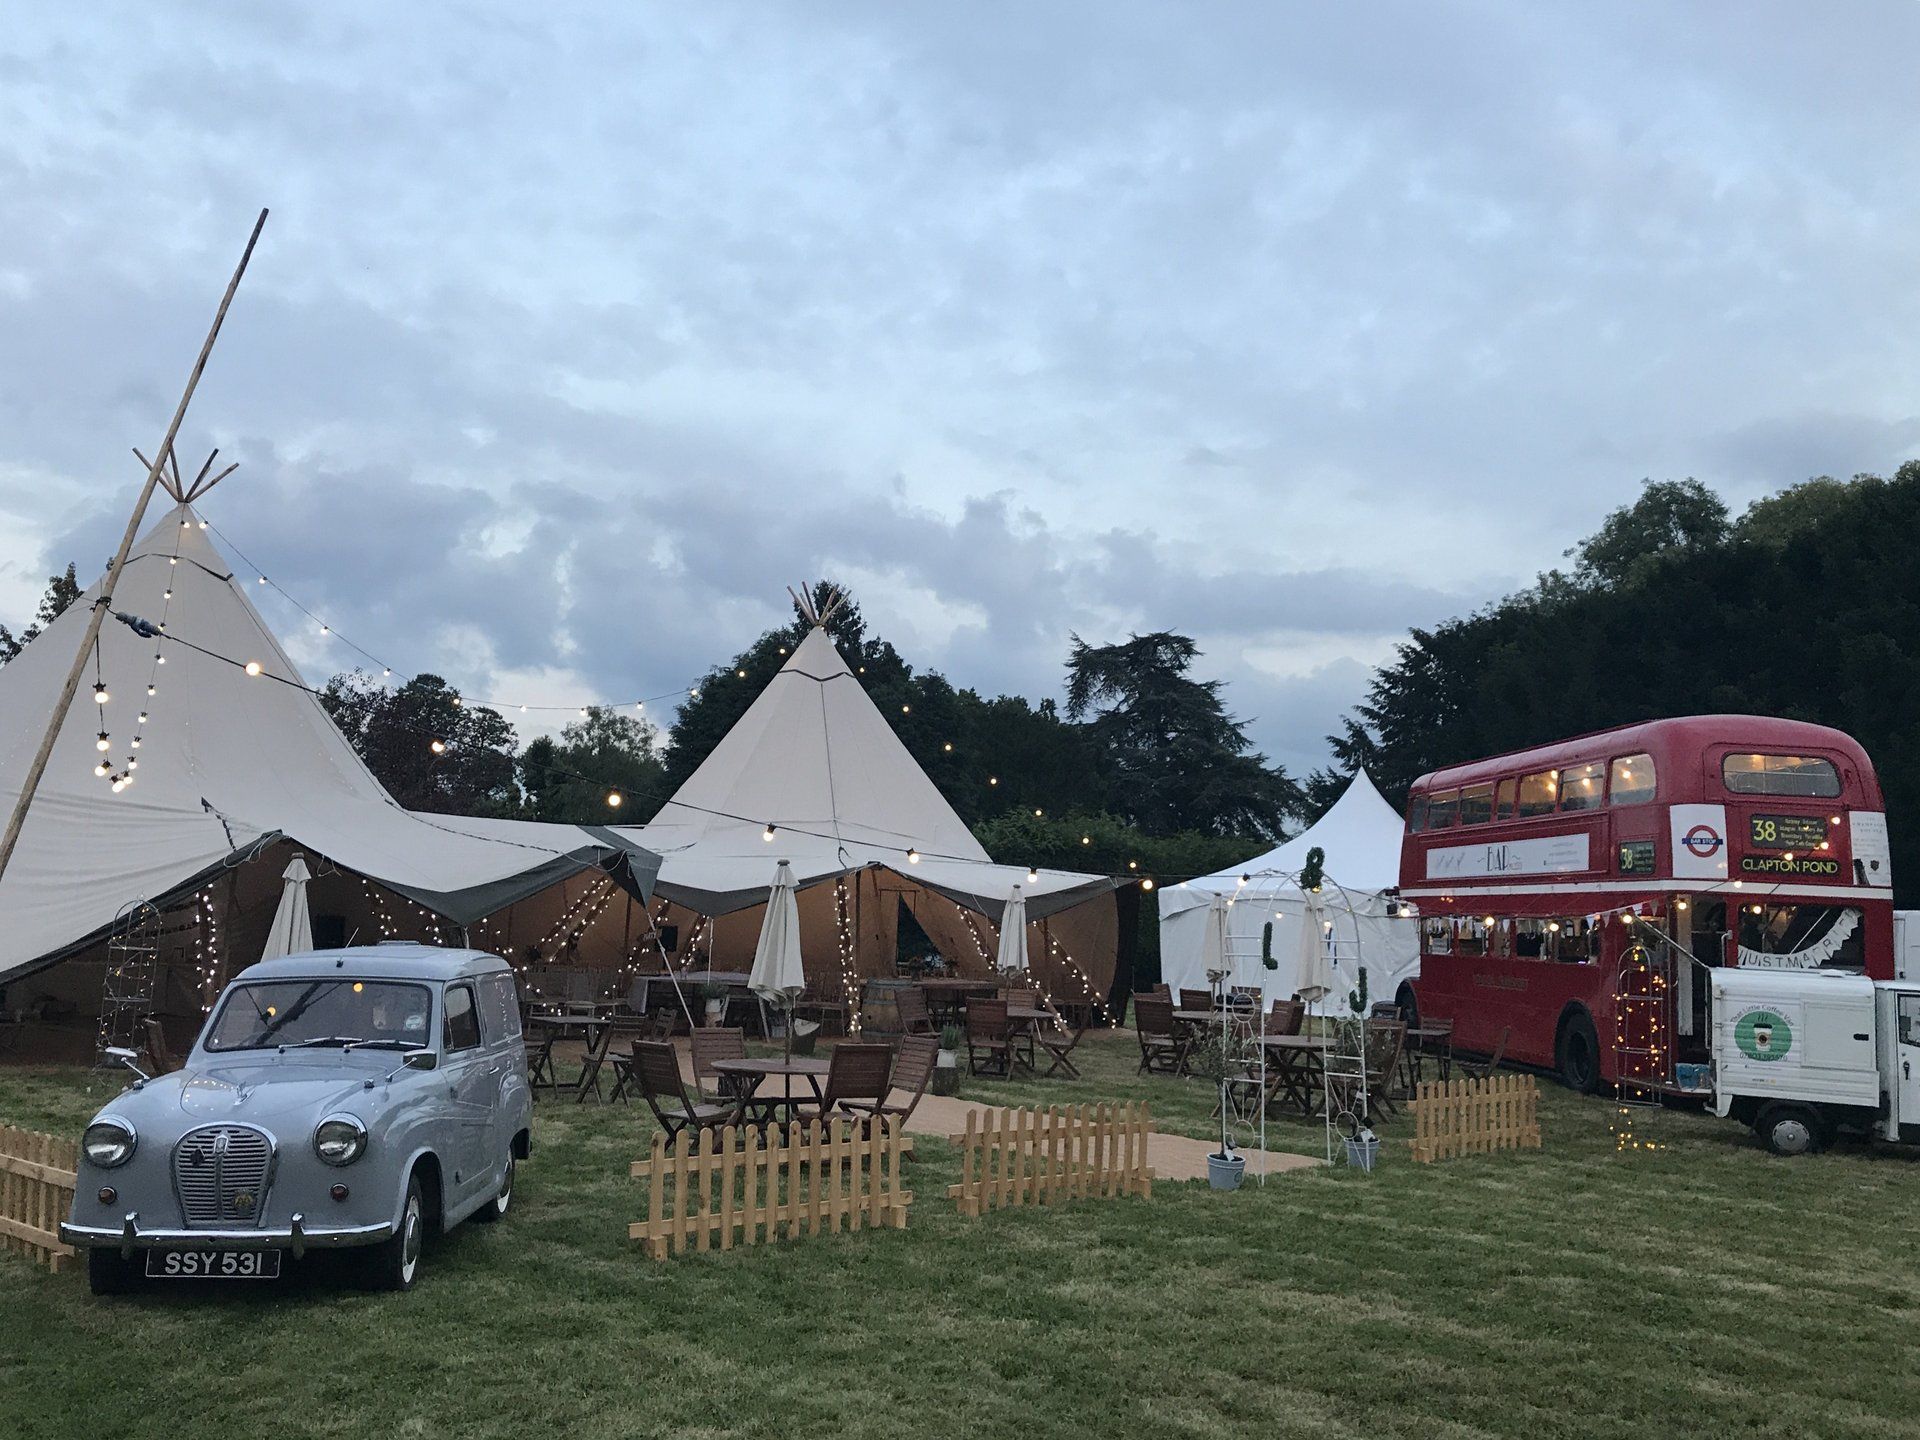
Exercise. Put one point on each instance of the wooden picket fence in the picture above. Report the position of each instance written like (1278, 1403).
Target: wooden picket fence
(1472, 1117)
(1036, 1157)
(740, 1188)
(36, 1193)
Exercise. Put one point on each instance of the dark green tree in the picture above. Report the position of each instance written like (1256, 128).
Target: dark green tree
(62, 591)
(396, 732)
(1176, 759)
(606, 753)
(1670, 517)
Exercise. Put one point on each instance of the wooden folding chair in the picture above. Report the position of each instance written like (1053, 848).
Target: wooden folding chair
(912, 1070)
(1196, 999)
(1163, 1046)
(858, 1079)
(590, 1065)
(537, 1044)
(987, 1037)
(1482, 1071)
(1058, 1040)
(915, 1018)
(711, 1043)
(657, 1069)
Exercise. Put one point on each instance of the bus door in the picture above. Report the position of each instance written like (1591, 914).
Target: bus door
(1708, 945)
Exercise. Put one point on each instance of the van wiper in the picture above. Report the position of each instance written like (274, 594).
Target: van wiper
(389, 1045)
(342, 1040)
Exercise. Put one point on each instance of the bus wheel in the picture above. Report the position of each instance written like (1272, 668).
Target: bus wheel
(1791, 1130)
(1409, 1007)
(1579, 1054)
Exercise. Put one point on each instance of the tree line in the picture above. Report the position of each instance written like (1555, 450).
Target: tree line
(1806, 606)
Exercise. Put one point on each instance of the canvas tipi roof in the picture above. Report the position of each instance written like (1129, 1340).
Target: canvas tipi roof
(814, 758)
(226, 761)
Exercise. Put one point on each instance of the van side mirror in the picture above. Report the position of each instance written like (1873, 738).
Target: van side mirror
(421, 1060)
(130, 1059)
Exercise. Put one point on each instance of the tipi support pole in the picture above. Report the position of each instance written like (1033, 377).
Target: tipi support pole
(104, 604)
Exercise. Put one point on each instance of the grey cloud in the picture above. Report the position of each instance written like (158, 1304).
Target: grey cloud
(590, 330)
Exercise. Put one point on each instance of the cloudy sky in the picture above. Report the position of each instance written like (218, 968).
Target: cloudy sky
(579, 331)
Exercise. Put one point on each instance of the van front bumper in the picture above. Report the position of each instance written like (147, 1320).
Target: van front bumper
(297, 1237)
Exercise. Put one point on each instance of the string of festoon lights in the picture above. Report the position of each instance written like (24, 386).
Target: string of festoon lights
(616, 796)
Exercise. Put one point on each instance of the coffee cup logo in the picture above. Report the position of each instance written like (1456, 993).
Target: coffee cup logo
(1763, 1035)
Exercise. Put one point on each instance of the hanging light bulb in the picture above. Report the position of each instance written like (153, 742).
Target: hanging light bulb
(741, 674)
(384, 672)
(523, 709)
(613, 799)
(913, 857)
(166, 594)
(263, 579)
(133, 764)
(1243, 880)
(253, 667)
(1086, 839)
(767, 834)
(100, 696)
(1032, 874)
(326, 629)
(1133, 864)
(1037, 814)
(102, 743)
(149, 689)
(158, 658)
(101, 769)
(439, 747)
(1147, 883)
(993, 779)
(136, 742)
(906, 709)
(143, 717)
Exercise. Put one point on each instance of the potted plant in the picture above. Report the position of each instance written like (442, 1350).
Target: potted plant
(946, 1065)
(715, 995)
(1212, 1060)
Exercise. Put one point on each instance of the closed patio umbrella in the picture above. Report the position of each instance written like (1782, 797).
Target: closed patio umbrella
(1213, 941)
(1316, 967)
(1012, 956)
(778, 977)
(292, 932)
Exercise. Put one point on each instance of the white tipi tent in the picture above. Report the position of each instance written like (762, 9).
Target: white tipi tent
(813, 774)
(228, 763)
(1360, 835)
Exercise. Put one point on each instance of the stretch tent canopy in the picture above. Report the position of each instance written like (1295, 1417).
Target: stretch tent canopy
(814, 759)
(228, 762)
(1360, 835)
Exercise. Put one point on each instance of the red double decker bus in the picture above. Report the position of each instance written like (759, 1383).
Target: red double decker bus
(1557, 884)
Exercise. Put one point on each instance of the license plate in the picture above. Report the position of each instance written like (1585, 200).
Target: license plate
(213, 1264)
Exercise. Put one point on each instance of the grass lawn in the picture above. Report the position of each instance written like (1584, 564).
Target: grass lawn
(1703, 1289)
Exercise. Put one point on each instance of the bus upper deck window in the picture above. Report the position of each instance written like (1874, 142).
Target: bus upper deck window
(1538, 793)
(1582, 787)
(1442, 806)
(1416, 814)
(1476, 804)
(1632, 781)
(1807, 775)
(1503, 799)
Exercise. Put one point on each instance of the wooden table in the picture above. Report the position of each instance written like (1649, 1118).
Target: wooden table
(1292, 1062)
(748, 1076)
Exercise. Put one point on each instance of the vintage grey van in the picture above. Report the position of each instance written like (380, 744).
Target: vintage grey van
(344, 1098)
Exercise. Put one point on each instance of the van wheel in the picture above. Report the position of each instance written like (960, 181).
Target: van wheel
(111, 1273)
(1791, 1130)
(394, 1264)
(496, 1208)
(1579, 1055)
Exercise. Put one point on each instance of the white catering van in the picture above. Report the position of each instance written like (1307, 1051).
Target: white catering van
(1802, 1055)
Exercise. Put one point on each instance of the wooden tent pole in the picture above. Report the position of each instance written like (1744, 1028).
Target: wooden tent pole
(104, 603)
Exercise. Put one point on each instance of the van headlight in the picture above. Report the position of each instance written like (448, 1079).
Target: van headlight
(339, 1139)
(109, 1143)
